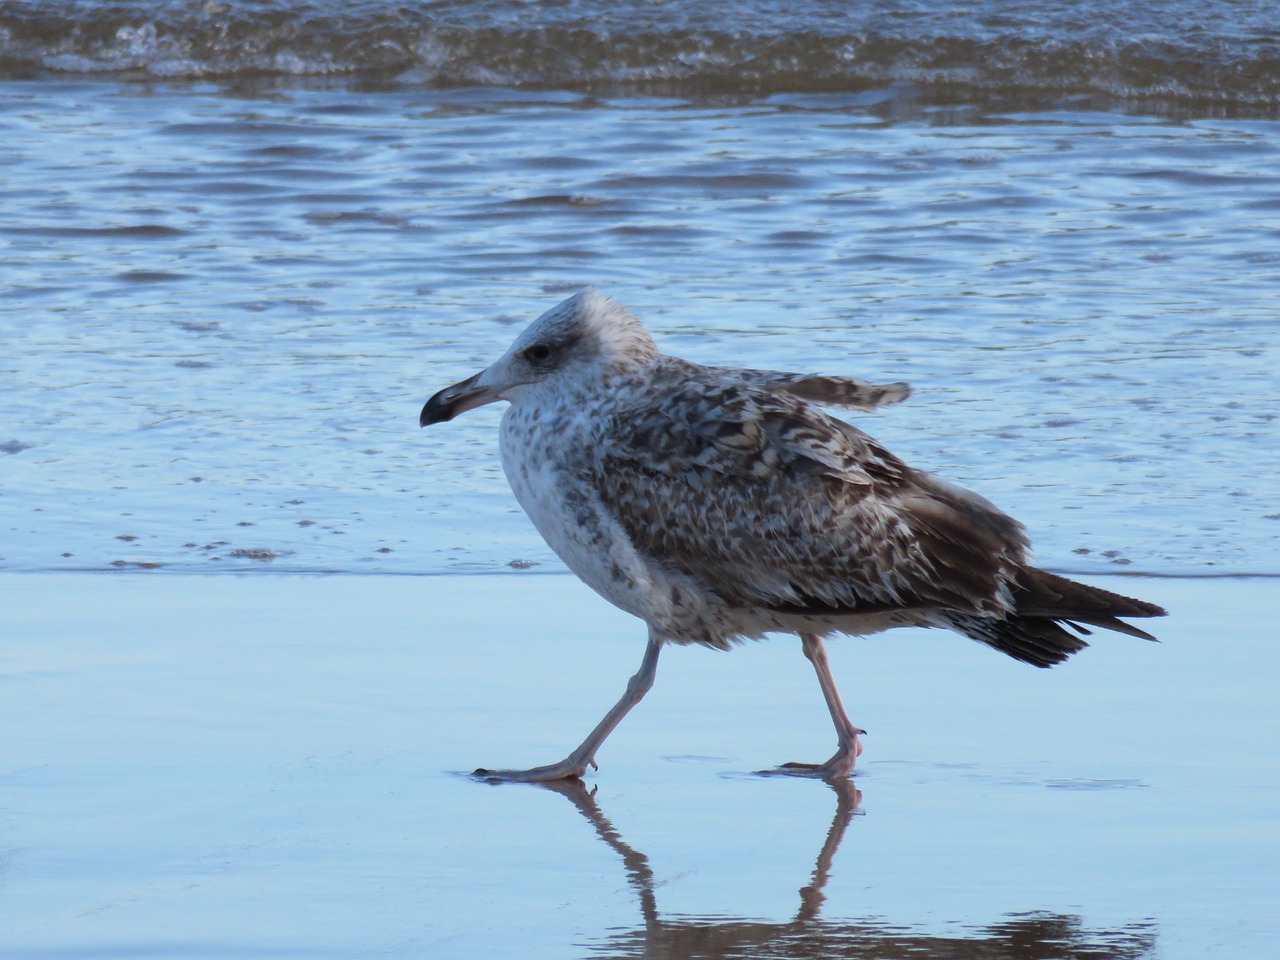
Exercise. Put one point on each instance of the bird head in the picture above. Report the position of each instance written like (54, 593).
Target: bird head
(589, 331)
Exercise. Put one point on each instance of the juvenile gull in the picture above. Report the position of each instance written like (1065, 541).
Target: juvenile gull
(719, 505)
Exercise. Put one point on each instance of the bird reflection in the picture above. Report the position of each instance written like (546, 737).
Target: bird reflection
(1030, 936)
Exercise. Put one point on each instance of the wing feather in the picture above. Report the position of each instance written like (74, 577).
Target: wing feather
(770, 502)
(849, 392)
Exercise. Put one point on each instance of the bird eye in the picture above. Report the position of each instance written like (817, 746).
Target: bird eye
(537, 353)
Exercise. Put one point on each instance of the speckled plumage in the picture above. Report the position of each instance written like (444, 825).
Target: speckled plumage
(720, 504)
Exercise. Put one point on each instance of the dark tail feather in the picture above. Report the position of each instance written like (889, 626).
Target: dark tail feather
(1038, 593)
(1044, 603)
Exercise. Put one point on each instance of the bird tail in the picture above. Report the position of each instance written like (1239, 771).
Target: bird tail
(1045, 605)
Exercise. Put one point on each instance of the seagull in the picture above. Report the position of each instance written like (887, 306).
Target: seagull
(719, 505)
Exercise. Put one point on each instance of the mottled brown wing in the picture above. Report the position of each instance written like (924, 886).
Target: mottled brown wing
(848, 392)
(771, 502)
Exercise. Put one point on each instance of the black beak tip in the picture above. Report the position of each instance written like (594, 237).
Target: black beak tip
(433, 411)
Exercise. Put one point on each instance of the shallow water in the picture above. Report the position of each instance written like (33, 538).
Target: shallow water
(222, 310)
(226, 291)
(260, 767)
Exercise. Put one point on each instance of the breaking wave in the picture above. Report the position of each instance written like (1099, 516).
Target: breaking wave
(1224, 53)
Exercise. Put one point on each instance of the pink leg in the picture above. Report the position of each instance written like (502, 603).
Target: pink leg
(575, 765)
(848, 747)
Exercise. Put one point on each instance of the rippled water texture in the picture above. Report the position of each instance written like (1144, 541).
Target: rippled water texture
(221, 314)
(1171, 55)
(225, 293)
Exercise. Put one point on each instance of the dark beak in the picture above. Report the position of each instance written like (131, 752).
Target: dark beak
(451, 401)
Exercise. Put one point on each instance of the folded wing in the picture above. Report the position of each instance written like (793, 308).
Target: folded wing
(770, 502)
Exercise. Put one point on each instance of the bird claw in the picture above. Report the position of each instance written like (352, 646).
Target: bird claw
(564, 770)
(839, 766)
(816, 771)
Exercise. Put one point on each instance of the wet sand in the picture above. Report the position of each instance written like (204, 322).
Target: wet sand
(267, 766)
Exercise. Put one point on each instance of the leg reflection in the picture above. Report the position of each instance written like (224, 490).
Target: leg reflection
(670, 938)
(1017, 936)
